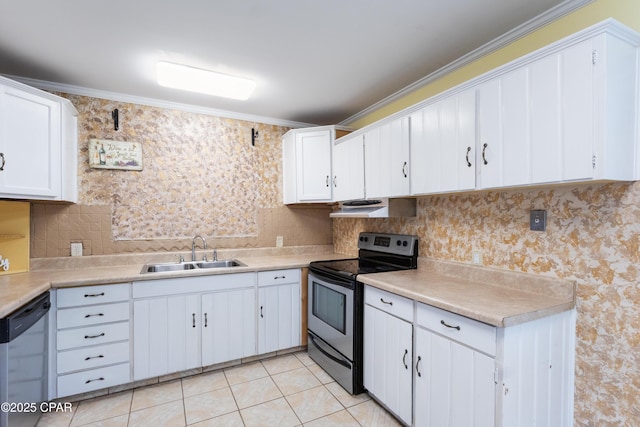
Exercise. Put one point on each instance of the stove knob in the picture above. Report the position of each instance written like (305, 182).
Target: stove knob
(361, 239)
(366, 239)
(399, 243)
(405, 243)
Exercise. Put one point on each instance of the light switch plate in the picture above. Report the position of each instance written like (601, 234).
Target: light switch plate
(76, 249)
(279, 241)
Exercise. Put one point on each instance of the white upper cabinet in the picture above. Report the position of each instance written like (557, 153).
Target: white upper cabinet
(348, 168)
(38, 144)
(306, 155)
(443, 141)
(563, 116)
(386, 159)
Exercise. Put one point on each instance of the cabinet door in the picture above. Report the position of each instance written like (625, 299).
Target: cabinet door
(386, 158)
(166, 335)
(313, 151)
(278, 317)
(228, 325)
(454, 385)
(443, 140)
(388, 360)
(503, 125)
(30, 142)
(348, 169)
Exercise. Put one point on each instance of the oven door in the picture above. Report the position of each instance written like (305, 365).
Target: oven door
(330, 312)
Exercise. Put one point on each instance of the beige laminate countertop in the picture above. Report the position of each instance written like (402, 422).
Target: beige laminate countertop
(18, 289)
(497, 298)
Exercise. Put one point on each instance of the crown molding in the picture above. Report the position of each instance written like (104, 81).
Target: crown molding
(152, 102)
(505, 39)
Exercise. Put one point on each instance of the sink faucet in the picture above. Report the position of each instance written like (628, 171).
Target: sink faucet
(193, 246)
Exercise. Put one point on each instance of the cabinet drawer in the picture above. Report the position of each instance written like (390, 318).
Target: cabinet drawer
(388, 302)
(278, 277)
(93, 335)
(93, 357)
(94, 379)
(472, 333)
(69, 297)
(91, 315)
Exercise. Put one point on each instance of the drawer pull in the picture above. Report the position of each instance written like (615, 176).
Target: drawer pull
(417, 367)
(386, 302)
(193, 324)
(443, 323)
(279, 277)
(101, 294)
(94, 336)
(95, 379)
(404, 362)
(100, 356)
(91, 315)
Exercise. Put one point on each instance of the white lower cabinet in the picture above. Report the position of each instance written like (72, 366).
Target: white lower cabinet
(454, 383)
(92, 338)
(279, 310)
(212, 320)
(431, 367)
(388, 350)
(229, 325)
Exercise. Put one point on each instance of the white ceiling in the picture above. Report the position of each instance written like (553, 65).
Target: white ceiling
(316, 62)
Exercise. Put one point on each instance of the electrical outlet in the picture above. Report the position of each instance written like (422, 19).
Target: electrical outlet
(538, 220)
(476, 257)
(279, 241)
(76, 249)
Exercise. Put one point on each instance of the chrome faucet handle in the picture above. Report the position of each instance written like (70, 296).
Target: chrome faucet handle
(180, 259)
(215, 254)
(204, 257)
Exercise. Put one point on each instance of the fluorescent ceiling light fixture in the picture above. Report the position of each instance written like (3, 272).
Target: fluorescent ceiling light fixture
(203, 81)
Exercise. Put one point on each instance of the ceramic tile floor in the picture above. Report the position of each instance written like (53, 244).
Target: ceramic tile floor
(289, 390)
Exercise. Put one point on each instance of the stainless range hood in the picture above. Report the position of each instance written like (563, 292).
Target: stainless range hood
(379, 208)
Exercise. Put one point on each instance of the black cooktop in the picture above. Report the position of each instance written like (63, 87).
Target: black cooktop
(353, 266)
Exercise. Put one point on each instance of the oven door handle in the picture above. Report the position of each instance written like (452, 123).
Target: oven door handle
(330, 356)
(321, 278)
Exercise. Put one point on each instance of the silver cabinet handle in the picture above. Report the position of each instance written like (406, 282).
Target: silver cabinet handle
(417, 368)
(3, 161)
(404, 169)
(443, 323)
(86, 337)
(467, 157)
(484, 149)
(386, 302)
(404, 362)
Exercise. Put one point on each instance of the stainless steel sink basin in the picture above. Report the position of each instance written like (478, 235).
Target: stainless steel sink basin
(219, 264)
(193, 265)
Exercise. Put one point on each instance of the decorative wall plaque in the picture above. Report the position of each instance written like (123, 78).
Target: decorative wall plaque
(105, 154)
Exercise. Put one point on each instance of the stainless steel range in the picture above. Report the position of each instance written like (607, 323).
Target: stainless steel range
(336, 303)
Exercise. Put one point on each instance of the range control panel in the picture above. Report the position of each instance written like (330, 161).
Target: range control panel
(400, 244)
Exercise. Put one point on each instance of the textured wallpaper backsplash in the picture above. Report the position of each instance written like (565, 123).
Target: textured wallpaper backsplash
(592, 236)
(201, 175)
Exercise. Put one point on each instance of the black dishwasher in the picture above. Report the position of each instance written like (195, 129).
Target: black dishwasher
(23, 363)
